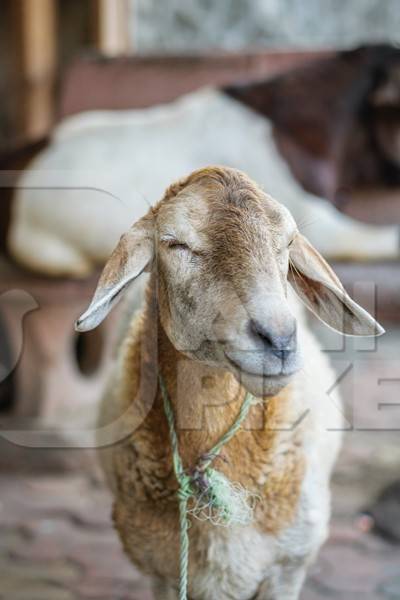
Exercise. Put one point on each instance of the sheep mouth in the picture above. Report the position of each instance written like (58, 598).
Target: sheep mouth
(257, 374)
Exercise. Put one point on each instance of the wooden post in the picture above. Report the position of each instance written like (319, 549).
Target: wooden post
(36, 52)
(111, 27)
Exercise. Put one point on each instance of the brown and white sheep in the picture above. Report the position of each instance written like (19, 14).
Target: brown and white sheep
(218, 321)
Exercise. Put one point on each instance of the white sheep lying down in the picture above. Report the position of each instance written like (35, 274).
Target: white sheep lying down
(103, 169)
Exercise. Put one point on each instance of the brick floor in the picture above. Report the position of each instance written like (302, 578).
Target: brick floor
(56, 543)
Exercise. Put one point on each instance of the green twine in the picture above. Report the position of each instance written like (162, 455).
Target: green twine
(217, 499)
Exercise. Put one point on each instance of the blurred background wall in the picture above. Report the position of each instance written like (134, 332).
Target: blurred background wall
(193, 25)
(39, 38)
(7, 116)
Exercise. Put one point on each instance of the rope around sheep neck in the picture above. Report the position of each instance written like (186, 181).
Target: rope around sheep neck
(218, 500)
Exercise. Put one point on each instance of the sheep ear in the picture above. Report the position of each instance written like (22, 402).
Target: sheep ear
(132, 255)
(319, 288)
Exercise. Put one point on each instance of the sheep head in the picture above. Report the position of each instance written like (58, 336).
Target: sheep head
(223, 253)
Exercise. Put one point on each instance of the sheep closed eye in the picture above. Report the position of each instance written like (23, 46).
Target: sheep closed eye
(175, 245)
(182, 249)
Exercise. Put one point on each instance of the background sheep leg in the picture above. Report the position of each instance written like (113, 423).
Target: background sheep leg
(338, 236)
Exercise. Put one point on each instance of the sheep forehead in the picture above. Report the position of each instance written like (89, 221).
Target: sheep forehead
(231, 213)
(184, 218)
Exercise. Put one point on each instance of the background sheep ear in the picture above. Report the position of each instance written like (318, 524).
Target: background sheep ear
(132, 255)
(319, 288)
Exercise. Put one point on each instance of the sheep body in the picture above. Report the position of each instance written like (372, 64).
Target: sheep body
(289, 469)
(100, 170)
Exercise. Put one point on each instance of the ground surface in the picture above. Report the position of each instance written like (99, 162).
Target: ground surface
(57, 543)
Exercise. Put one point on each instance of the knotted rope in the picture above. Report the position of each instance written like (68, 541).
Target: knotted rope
(217, 499)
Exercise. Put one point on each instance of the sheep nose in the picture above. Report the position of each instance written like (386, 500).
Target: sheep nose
(281, 345)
